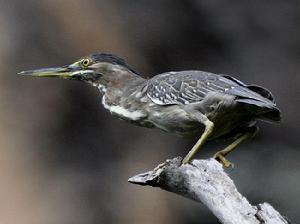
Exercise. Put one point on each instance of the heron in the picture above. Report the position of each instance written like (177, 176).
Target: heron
(186, 103)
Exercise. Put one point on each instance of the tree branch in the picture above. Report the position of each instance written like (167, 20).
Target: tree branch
(205, 181)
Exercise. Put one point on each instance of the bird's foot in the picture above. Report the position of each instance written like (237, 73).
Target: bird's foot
(220, 157)
(185, 161)
(161, 165)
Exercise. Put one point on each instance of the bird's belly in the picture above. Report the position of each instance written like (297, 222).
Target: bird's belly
(228, 119)
(175, 120)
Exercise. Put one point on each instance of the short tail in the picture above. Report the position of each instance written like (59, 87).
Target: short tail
(264, 107)
(272, 115)
(262, 110)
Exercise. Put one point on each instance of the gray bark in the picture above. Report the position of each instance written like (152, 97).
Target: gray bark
(205, 181)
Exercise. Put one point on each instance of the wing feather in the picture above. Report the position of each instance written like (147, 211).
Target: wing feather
(192, 86)
(185, 87)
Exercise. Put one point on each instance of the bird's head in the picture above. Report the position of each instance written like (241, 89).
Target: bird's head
(98, 69)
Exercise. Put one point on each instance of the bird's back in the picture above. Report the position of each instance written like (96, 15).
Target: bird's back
(186, 87)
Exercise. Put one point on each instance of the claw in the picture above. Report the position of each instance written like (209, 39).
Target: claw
(161, 165)
(220, 158)
(185, 161)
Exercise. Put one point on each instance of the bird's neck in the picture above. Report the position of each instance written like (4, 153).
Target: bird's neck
(118, 79)
(122, 97)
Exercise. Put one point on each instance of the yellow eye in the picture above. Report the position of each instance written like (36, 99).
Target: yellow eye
(86, 62)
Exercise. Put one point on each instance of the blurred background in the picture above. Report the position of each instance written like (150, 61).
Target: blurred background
(64, 159)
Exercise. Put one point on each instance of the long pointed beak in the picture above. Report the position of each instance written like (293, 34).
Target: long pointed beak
(62, 72)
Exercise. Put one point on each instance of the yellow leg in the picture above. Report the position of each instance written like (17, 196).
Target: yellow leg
(220, 156)
(208, 130)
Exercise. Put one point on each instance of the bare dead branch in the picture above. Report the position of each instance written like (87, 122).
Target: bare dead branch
(205, 181)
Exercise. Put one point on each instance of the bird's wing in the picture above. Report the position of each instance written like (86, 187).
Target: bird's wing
(187, 87)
